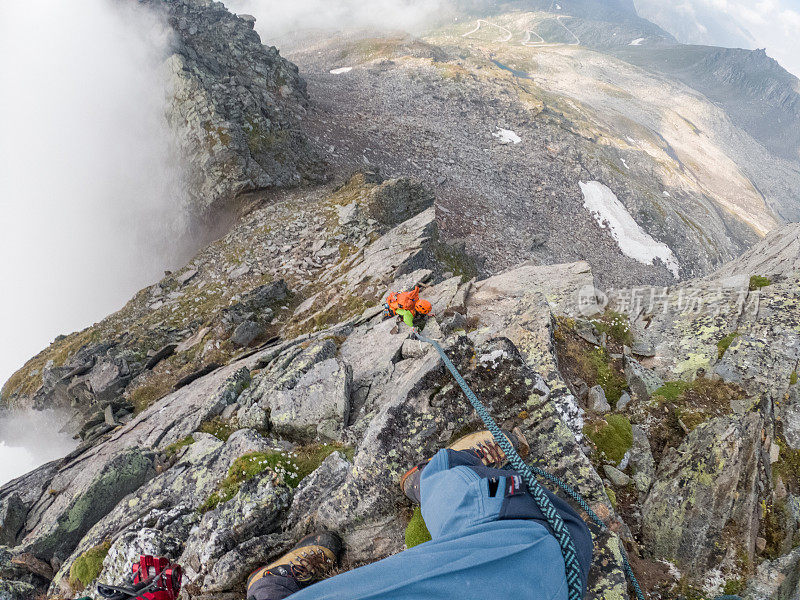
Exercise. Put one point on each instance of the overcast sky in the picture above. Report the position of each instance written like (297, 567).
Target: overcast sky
(770, 24)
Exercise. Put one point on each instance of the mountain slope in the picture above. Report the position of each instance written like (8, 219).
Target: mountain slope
(515, 170)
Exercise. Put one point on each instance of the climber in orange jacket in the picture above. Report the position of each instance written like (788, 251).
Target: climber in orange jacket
(406, 305)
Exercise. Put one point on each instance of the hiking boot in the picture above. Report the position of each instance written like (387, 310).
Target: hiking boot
(309, 560)
(480, 443)
(483, 445)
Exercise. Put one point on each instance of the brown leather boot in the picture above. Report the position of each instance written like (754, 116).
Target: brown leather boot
(309, 560)
(482, 444)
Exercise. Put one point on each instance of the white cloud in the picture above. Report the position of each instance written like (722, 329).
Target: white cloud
(29, 439)
(276, 17)
(770, 24)
(89, 192)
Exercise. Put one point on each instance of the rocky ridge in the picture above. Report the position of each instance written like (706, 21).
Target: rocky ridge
(691, 458)
(235, 105)
(257, 393)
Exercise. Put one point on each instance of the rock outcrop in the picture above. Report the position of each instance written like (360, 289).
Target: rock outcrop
(236, 105)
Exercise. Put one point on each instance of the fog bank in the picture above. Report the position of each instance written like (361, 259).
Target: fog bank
(90, 193)
(29, 439)
(277, 17)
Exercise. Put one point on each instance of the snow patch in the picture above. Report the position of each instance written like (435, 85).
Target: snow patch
(506, 136)
(666, 194)
(636, 42)
(341, 70)
(633, 241)
(626, 164)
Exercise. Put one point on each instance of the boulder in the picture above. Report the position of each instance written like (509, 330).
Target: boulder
(397, 200)
(13, 512)
(641, 381)
(246, 333)
(704, 490)
(617, 477)
(317, 405)
(597, 400)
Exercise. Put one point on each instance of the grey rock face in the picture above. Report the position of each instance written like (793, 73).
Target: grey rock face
(789, 413)
(383, 402)
(246, 332)
(777, 254)
(236, 105)
(641, 460)
(597, 400)
(256, 510)
(708, 485)
(315, 489)
(777, 579)
(18, 496)
(317, 405)
(70, 518)
(16, 590)
(162, 504)
(642, 382)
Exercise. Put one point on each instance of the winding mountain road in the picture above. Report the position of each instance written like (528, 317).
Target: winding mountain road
(542, 43)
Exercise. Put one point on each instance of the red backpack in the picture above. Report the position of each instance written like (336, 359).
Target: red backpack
(153, 579)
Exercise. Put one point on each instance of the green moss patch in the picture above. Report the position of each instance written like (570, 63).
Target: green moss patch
(173, 448)
(612, 496)
(612, 436)
(220, 429)
(247, 467)
(793, 378)
(733, 587)
(416, 531)
(308, 458)
(725, 343)
(143, 397)
(577, 359)
(698, 401)
(456, 260)
(616, 326)
(788, 465)
(757, 282)
(87, 566)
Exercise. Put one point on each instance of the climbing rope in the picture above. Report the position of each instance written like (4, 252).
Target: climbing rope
(572, 567)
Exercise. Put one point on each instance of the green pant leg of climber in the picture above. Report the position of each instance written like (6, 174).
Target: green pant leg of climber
(408, 316)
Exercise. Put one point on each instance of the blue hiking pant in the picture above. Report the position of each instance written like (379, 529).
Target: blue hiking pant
(489, 539)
